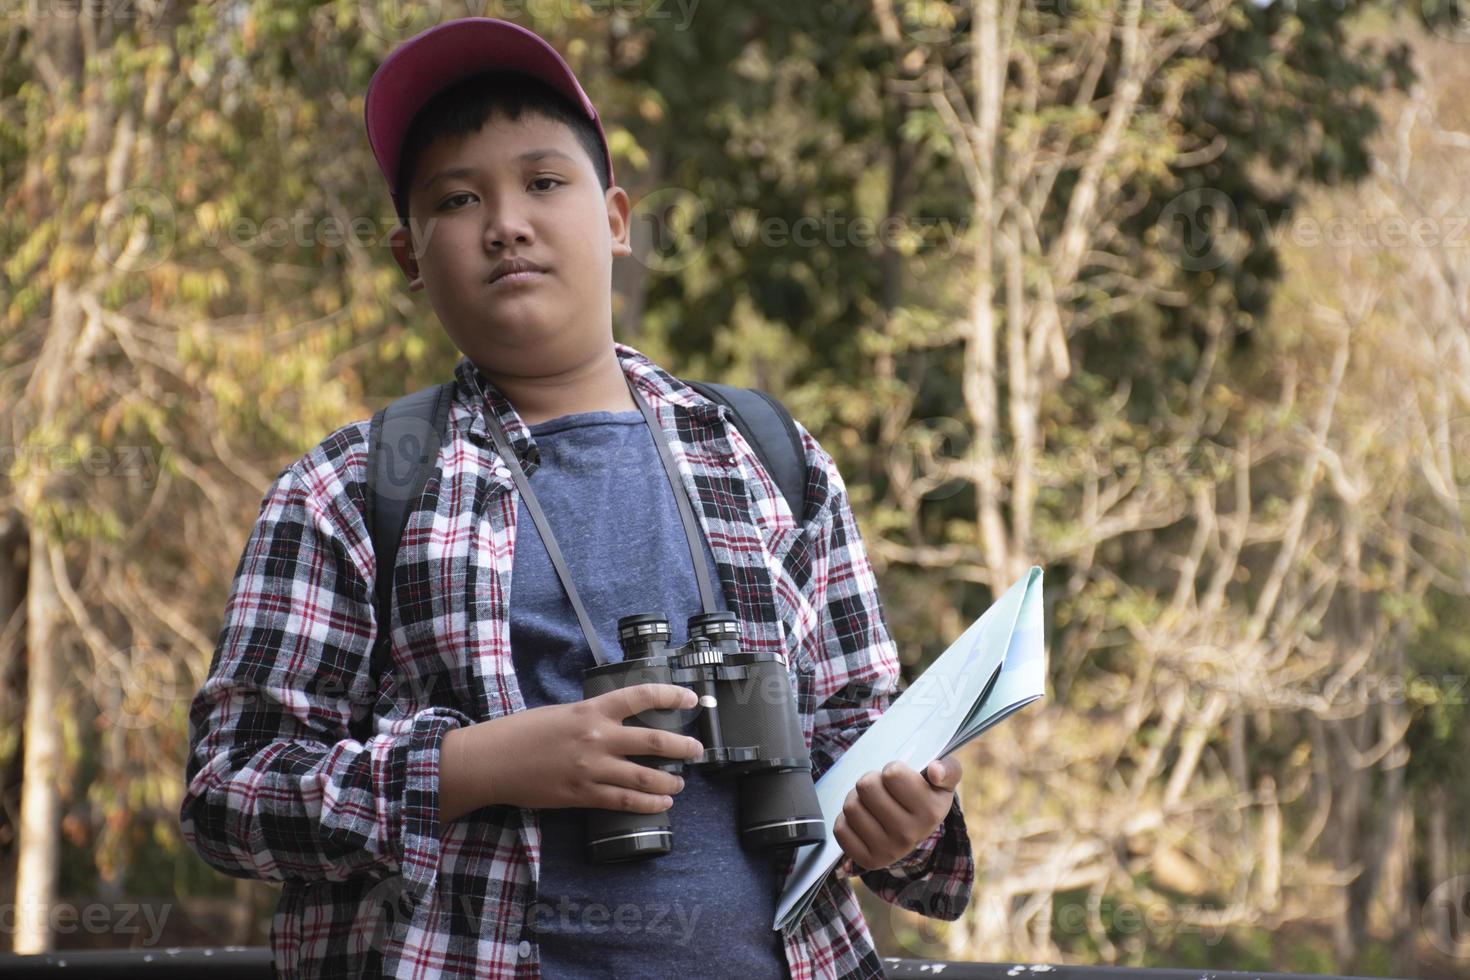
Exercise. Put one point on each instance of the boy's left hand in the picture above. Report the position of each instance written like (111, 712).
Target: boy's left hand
(893, 810)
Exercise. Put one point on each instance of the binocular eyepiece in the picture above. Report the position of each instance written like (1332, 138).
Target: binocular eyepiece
(748, 725)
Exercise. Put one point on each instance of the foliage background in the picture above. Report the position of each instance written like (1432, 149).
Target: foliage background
(1168, 296)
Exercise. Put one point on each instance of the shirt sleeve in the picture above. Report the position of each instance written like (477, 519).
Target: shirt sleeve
(277, 788)
(859, 667)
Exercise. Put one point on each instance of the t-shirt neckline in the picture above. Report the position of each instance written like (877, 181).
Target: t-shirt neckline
(581, 419)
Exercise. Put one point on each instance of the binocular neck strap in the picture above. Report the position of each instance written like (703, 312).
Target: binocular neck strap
(681, 497)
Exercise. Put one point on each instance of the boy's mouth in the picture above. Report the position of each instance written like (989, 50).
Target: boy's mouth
(510, 278)
(515, 270)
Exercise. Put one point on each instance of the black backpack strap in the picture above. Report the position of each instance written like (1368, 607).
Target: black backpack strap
(403, 445)
(771, 431)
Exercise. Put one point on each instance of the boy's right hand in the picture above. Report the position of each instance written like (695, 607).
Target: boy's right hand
(567, 755)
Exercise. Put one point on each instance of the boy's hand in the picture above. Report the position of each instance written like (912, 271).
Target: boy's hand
(892, 811)
(567, 755)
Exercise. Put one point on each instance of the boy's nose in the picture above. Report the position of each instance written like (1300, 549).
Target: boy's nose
(500, 233)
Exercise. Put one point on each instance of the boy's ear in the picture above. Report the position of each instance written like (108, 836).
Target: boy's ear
(401, 243)
(618, 209)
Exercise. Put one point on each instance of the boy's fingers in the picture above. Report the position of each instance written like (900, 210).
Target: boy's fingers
(644, 779)
(908, 788)
(866, 825)
(850, 843)
(637, 740)
(627, 800)
(944, 773)
(885, 807)
(627, 701)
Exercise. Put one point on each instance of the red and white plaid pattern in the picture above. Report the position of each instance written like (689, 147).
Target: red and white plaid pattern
(301, 771)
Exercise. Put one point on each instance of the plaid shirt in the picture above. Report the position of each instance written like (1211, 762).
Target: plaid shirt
(304, 770)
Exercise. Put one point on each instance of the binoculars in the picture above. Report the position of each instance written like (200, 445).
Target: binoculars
(748, 726)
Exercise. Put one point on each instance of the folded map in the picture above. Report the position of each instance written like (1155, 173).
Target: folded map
(996, 666)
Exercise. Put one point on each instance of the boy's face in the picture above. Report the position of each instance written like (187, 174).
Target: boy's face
(521, 189)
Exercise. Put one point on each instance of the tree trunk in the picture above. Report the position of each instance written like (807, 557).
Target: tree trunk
(12, 595)
(12, 645)
(40, 838)
(1347, 813)
(62, 45)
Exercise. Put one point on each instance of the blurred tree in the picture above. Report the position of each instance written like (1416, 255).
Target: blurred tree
(1019, 265)
(1131, 417)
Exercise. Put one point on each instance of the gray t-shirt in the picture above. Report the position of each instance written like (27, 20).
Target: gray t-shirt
(705, 908)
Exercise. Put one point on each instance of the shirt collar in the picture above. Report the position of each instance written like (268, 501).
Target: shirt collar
(480, 394)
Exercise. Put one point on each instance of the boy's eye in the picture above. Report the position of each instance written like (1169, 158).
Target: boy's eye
(448, 201)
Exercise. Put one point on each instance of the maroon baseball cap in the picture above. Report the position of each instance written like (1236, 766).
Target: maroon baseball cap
(434, 59)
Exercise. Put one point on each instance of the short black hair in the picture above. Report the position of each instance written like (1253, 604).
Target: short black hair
(463, 108)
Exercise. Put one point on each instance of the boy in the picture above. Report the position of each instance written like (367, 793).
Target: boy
(428, 822)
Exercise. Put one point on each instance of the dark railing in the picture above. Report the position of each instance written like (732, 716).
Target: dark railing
(1038, 971)
(172, 963)
(254, 963)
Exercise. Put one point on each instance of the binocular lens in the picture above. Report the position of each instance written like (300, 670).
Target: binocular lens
(614, 836)
(780, 809)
